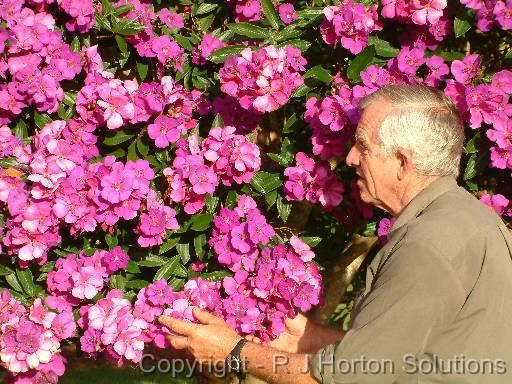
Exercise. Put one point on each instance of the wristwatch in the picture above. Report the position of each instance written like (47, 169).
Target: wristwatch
(234, 361)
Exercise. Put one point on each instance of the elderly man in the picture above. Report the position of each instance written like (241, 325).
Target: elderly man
(437, 306)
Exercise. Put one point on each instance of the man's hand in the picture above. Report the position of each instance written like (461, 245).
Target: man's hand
(295, 338)
(209, 342)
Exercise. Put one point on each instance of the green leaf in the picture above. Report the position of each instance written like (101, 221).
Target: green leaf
(301, 91)
(132, 153)
(508, 55)
(215, 276)
(4, 271)
(201, 222)
(47, 267)
(132, 267)
(470, 171)
(309, 13)
(121, 43)
(271, 198)
(153, 261)
(176, 284)
(370, 228)
(319, 73)
(281, 159)
(471, 146)
(283, 209)
(75, 44)
(360, 62)
(211, 202)
(206, 22)
(289, 123)
(303, 45)
(167, 270)
(41, 119)
(182, 41)
(136, 284)
(249, 30)
(270, 13)
(220, 55)
(117, 282)
(199, 243)
(127, 27)
(13, 281)
(142, 70)
(168, 245)
(289, 32)
(142, 147)
(382, 47)
(231, 199)
(26, 280)
(265, 182)
(226, 35)
(218, 121)
(118, 138)
(20, 297)
(460, 27)
(21, 129)
(111, 240)
(312, 241)
(205, 8)
(122, 9)
(183, 252)
(450, 56)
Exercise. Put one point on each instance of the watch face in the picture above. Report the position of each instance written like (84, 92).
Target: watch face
(234, 363)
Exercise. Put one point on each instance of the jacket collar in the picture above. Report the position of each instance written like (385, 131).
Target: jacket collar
(423, 199)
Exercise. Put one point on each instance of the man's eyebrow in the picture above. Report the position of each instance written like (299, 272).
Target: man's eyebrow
(360, 137)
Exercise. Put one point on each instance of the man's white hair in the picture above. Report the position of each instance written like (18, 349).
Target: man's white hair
(426, 122)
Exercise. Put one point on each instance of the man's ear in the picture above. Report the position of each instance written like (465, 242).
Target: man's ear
(404, 158)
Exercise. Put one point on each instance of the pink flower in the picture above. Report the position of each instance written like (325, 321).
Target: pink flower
(496, 202)
(171, 19)
(87, 283)
(287, 13)
(464, 71)
(428, 10)
(302, 249)
(503, 13)
(203, 180)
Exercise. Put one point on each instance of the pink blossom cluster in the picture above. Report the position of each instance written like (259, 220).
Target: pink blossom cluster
(313, 182)
(332, 120)
(33, 223)
(63, 189)
(267, 286)
(491, 12)
(30, 340)
(498, 203)
(81, 12)
(233, 114)
(78, 278)
(208, 44)
(349, 25)
(176, 107)
(154, 221)
(287, 13)
(197, 170)
(36, 60)
(420, 12)
(147, 42)
(111, 325)
(121, 330)
(263, 80)
(245, 10)
(485, 104)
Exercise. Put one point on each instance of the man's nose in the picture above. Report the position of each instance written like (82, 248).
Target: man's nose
(352, 159)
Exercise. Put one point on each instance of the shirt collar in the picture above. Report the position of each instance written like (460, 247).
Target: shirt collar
(423, 199)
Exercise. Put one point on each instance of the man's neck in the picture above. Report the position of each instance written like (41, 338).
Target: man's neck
(411, 190)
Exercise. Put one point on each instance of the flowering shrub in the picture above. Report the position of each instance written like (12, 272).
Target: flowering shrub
(154, 159)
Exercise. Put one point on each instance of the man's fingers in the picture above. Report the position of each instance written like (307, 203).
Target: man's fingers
(206, 317)
(178, 342)
(177, 326)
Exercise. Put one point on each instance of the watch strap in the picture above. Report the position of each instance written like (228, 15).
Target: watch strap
(235, 355)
